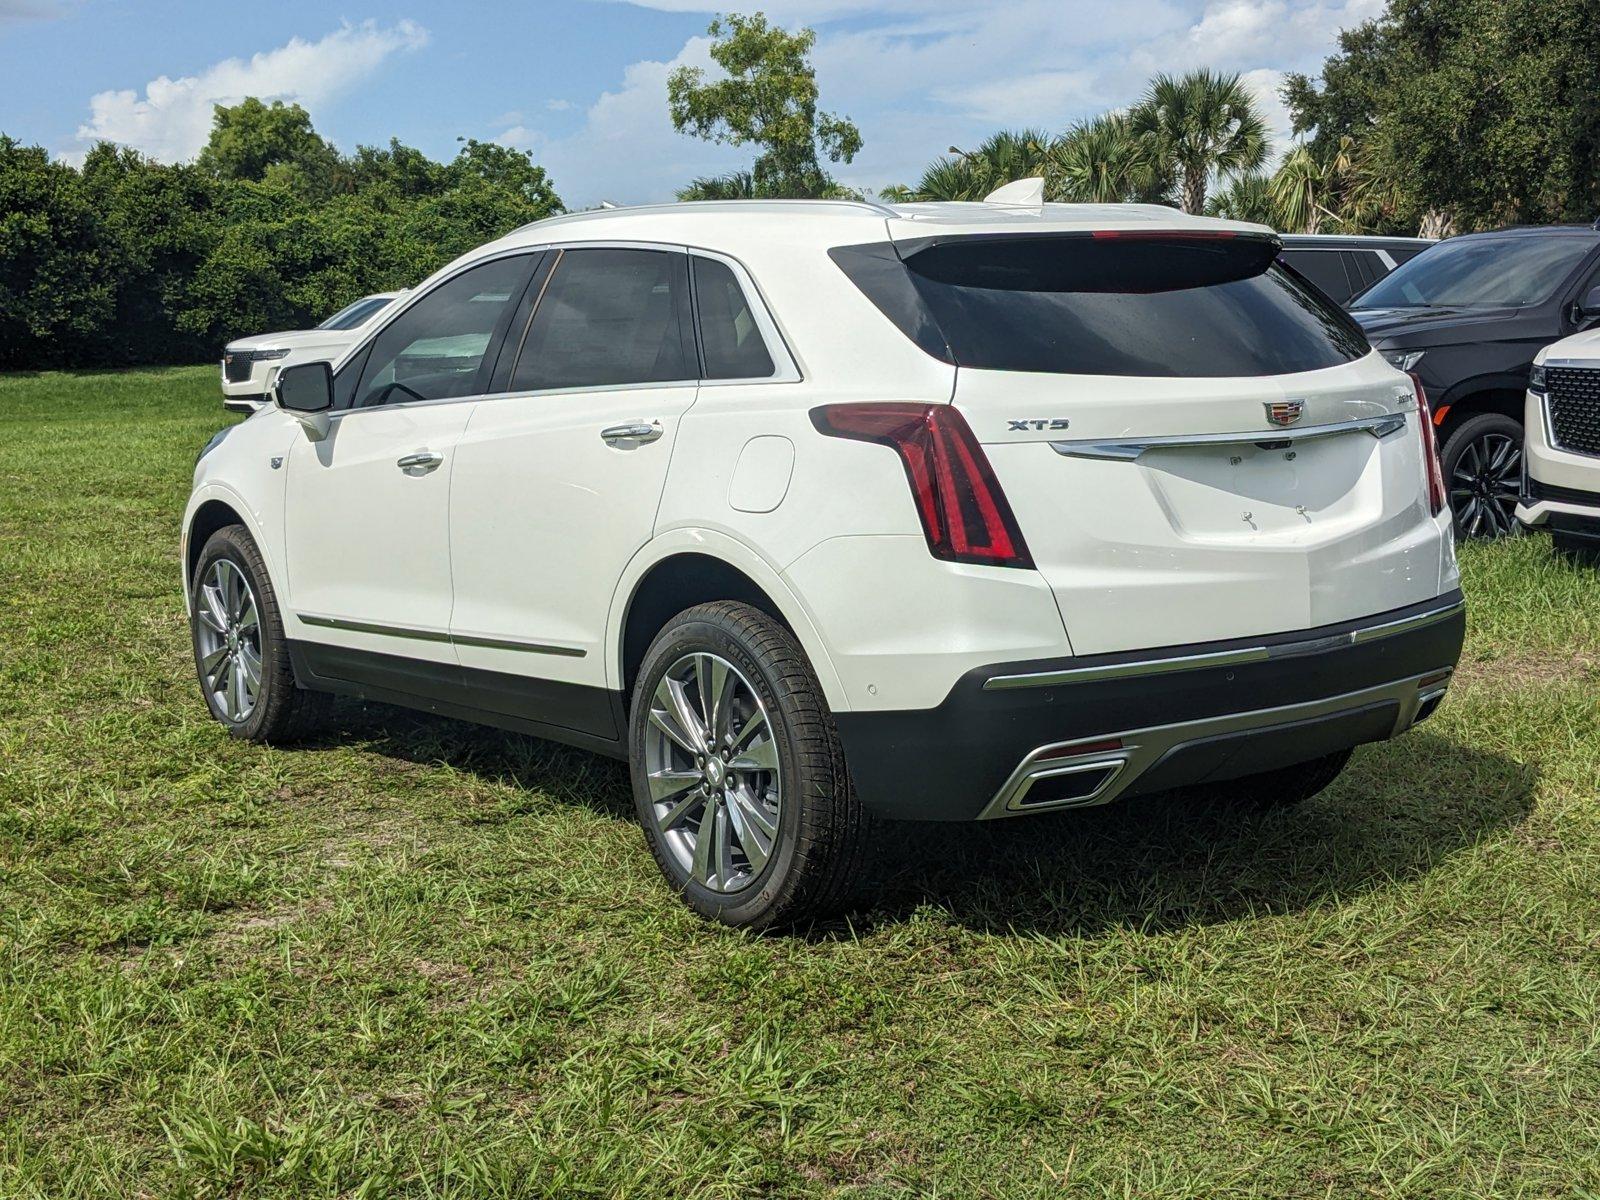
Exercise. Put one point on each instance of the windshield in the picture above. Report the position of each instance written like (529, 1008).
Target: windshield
(355, 314)
(1503, 272)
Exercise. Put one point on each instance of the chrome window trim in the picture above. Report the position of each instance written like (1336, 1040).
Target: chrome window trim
(1128, 449)
(1221, 658)
(1385, 256)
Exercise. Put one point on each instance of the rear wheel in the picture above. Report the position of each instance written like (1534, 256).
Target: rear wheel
(738, 777)
(1284, 787)
(1483, 469)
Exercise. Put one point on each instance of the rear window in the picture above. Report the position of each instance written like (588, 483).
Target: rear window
(1086, 305)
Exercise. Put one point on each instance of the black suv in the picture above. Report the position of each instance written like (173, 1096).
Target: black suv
(1467, 316)
(1344, 265)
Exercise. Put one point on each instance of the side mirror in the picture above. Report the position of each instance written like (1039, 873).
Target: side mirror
(1588, 308)
(305, 391)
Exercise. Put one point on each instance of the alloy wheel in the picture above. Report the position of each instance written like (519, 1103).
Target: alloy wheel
(711, 755)
(229, 635)
(1485, 484)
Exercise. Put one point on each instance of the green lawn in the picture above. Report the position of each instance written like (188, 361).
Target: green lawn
(421, 958)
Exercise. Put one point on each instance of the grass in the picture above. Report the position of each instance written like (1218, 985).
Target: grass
(419, 958)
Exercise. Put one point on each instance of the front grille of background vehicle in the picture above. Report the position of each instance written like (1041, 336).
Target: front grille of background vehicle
(1574, 398)
(237, 366)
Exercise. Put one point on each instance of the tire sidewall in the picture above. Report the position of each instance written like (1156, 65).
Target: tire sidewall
(233, 544)
(701, 634)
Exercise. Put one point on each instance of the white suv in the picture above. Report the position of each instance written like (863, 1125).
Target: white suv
(1561, 459)
(823, 512)
(251, 365)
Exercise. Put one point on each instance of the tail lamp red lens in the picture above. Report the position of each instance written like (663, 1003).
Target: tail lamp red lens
(963, 511)
(1430, 450)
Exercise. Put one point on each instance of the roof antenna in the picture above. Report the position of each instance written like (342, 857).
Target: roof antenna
(609, 204)
(1024, 193)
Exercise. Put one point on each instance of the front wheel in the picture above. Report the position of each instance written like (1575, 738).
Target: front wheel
(738, 776)
(1482, 465)
(240, 653)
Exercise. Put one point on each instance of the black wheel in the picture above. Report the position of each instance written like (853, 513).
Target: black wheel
(738, 777)
(1482, 465)
(1283, 788)
(239, 650)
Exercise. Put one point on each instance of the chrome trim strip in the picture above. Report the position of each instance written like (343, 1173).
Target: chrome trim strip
(1221, 658)
(418, 634)
(1144, 748)
(1128, 449)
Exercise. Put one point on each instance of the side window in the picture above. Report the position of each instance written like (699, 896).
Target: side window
(1323, 268)
(729, 337)
(435, 350)
(609, 318)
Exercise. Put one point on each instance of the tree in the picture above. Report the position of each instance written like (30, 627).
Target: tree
(1245, 198)
(252, 140)
(768, 98)
(1104, 161)
(1474, 113)
(1001, 158)
(1204, 124)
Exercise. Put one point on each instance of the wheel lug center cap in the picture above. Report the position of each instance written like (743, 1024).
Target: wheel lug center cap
(716, 772)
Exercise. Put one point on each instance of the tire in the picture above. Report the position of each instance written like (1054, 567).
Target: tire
(275, 710)
(1482, 465)
(1282, 788)
(806, 831)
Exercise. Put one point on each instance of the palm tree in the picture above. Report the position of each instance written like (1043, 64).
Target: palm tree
(1002, 158)
(1205, 124)
(1246, 198)
(1300, 190)
(740, 185)
(1103, 161)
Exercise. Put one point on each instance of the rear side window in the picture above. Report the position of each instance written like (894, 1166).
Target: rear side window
(1118, 305)
(609, 318)
(729, 337)
(1326, 269)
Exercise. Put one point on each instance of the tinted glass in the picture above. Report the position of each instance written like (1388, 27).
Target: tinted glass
(609, 318)
(1325, 268)
(352, 315)
(729, 338)
(435, 349)
(1481, 272)
(1129, 306)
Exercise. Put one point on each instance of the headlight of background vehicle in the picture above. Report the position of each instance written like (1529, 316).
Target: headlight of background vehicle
(268, 355)
(1536, 378)
(1406, 360)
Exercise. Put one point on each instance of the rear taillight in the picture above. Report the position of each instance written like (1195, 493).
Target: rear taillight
(963, 511)
(1430, 450)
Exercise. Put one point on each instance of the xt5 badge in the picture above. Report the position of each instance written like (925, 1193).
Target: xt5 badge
(1041, 423)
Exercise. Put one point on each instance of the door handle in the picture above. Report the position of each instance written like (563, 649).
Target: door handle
(423, 460)
(633, 431)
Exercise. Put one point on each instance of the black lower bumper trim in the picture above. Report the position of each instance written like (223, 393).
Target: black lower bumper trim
(948, 762)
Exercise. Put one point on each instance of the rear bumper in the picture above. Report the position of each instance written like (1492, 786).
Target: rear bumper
(1026, 737)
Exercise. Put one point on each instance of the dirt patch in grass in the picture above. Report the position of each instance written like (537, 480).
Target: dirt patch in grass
(1516, 669)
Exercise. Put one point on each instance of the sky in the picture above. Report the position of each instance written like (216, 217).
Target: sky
(582, 83)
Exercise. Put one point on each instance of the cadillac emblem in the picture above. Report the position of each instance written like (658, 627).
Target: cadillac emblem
(1284, 412)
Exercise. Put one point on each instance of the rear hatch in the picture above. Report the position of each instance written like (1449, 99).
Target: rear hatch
(1195, 443)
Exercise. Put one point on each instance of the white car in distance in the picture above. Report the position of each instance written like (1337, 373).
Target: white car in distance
(821, 512)
(250, 365)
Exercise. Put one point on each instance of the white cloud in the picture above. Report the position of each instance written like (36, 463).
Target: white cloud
(558, 105)
(172, 119)
(626, 150)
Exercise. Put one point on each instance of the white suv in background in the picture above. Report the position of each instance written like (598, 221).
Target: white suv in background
(1561, 452)
(250, 364)
(823, 512)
